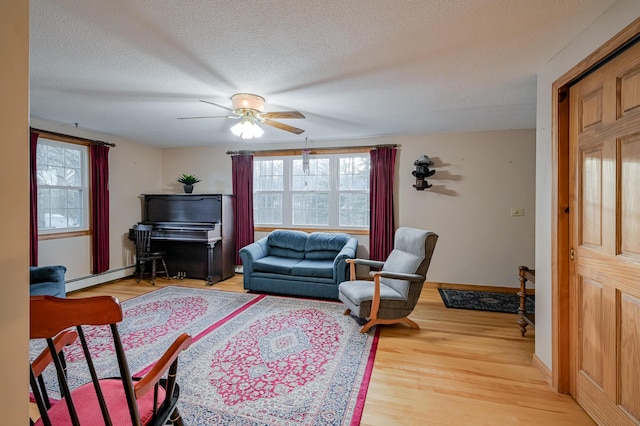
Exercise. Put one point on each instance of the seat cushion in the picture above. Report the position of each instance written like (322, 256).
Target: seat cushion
(275, 264)
(88, 409)
(360, 290)
(313, 268)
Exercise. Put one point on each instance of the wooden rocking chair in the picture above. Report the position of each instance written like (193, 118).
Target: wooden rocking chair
(125, 400)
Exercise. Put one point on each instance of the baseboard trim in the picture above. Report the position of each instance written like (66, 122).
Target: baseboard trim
(91, 280)
(543, 369)
(488, 288)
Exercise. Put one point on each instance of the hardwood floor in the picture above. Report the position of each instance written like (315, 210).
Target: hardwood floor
(461, 368)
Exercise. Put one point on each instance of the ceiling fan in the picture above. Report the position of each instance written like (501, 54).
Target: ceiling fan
(248, 108)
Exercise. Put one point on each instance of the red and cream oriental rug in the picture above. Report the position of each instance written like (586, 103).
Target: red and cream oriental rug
(255, 359)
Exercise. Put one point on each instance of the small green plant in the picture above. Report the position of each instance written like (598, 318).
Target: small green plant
(188, 179)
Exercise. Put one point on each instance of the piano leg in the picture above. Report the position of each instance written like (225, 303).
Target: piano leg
(210, 266)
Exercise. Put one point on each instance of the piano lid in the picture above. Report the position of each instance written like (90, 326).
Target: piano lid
(163, 208)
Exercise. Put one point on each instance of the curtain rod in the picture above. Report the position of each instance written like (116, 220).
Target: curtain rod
(93, 142)
(246, 152)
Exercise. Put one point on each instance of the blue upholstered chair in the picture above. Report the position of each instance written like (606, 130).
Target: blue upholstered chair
(47, 281)
(396, 287)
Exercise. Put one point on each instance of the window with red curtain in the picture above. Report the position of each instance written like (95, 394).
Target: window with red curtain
(382, 226)
(242, 175)
(71, 221)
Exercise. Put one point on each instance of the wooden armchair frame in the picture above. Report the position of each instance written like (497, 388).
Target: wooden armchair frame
(53, 319)
(375, 302)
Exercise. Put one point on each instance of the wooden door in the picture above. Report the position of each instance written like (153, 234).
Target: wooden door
(605, 240)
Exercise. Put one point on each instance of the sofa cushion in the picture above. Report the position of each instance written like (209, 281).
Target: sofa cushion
(313, 268)
(286, 243)
(324, 245)
(275, 264)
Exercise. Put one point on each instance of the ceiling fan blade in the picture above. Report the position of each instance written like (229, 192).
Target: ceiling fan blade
(218, 105)
(283, 126)
(283, 114)
(207, 116)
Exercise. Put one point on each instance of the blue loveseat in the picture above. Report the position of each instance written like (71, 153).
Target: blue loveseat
(47, 281)
(297, 263)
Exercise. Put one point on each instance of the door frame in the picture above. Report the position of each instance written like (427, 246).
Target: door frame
(562, 379)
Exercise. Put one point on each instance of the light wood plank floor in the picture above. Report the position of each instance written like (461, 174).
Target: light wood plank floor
(461, 368)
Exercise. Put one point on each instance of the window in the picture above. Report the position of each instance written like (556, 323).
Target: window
(63, 195)
(333, 193)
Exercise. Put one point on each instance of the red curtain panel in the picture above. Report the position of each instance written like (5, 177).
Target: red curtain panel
(242, 171)
(382, 226)
(99, 157)
(33, 200)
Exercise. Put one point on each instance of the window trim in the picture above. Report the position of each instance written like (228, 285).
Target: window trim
(88, 230)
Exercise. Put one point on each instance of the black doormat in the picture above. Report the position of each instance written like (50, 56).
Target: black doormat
(484, 301)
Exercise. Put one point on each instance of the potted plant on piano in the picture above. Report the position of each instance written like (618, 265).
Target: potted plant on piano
(187, 182)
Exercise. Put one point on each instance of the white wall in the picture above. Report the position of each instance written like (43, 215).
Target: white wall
(618, 16)
(14, 210)
(134, 169)
(479, 177)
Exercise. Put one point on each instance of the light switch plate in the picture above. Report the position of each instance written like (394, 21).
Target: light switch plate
(517, 211)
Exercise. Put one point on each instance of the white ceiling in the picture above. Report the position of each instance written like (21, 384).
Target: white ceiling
(354, 68)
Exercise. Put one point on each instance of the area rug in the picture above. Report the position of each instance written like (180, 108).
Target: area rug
(151, 322)
(484, 301)
(255, 359)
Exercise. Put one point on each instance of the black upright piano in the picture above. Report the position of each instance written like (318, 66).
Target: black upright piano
(195, 230)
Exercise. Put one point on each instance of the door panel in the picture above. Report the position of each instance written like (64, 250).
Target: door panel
(605, 233)
(630, 197)
(592, 331)
(591, 208)
(629, 374)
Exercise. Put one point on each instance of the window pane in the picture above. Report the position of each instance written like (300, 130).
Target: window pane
(55, 156)
(311, 209)
(41, 155)
(58, 219)
(72, 158)
(354, 209)
(74, 200)
(354, 173)
(267, 209)
(72, 177)
(62, 188)
(267, 175)
(74, 218)
(318, 178)
(58, 199)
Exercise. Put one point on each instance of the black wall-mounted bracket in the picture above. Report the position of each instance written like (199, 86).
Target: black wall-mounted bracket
(422, 172)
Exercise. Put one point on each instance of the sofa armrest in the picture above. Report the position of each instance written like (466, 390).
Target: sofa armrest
(340, 267)
(47, 280)
(252, 252)
(43, 274)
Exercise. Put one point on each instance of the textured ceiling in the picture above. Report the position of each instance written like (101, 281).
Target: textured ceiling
(354, 68)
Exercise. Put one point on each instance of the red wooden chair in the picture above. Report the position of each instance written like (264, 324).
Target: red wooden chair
(125, 400)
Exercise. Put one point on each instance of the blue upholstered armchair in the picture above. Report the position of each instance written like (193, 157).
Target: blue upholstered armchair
(47, 281)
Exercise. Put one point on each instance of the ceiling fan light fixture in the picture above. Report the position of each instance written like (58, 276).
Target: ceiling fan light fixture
(243, 101)
(247, 129)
